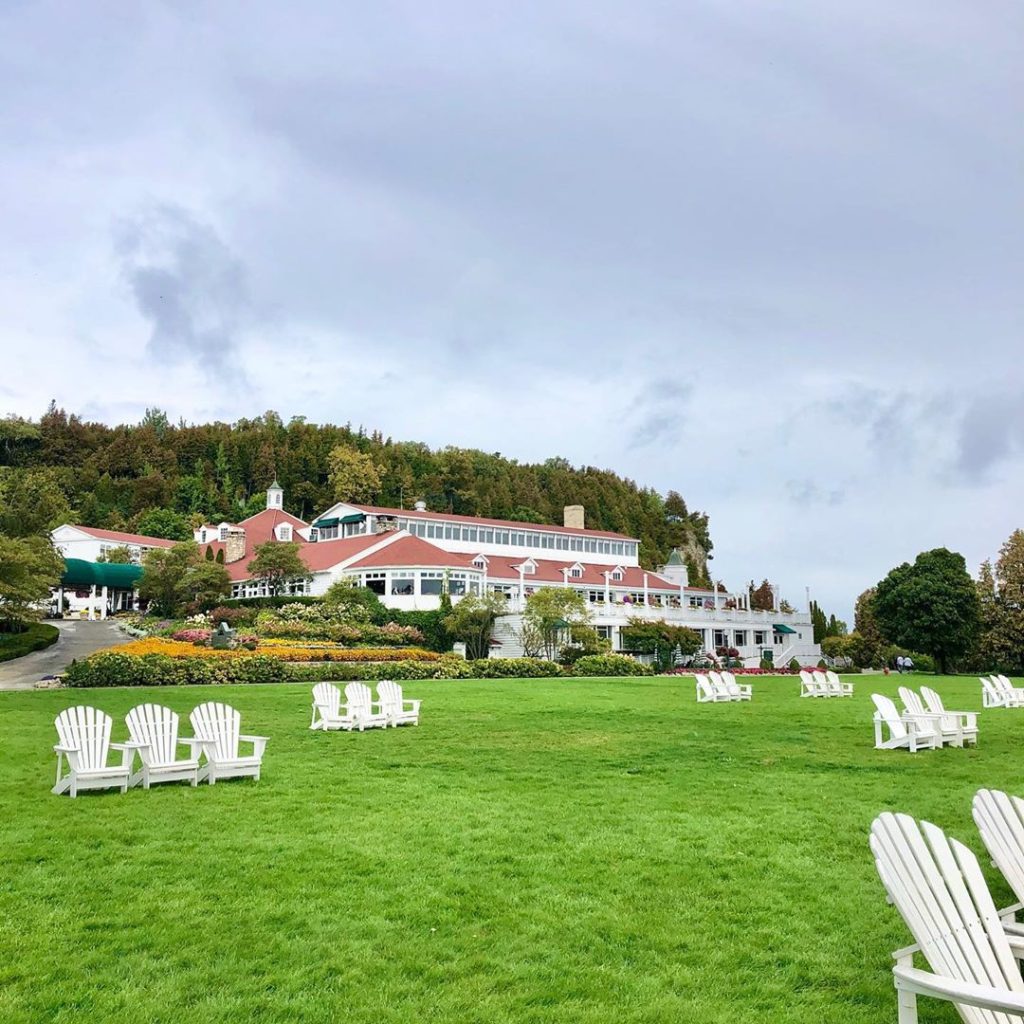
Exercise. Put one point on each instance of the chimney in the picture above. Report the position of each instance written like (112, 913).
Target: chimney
(234, 545)
(420, 506)
(573, 517)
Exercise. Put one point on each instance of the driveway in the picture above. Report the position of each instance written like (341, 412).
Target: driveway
(77, 639)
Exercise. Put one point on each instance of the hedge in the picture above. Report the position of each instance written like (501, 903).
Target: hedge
(37, 637)
(115, 669)
(610, 665)
(513, 668)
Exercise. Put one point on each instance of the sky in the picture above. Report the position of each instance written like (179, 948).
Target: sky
(767, 254)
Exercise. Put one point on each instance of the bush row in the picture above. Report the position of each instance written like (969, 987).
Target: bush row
(610, 665)
(36, 637)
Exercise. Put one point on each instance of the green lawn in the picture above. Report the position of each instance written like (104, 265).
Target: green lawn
(541, 850)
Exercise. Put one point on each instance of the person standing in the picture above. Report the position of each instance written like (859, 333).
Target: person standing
(908, 665)
(899, 663)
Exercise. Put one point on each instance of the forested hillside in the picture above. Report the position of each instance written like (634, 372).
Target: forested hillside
(156, 477)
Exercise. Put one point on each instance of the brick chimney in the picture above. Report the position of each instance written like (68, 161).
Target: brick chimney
(573, 517)
(234, 545)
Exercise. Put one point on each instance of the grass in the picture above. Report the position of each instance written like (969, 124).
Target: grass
(541, 850)
(36, 637)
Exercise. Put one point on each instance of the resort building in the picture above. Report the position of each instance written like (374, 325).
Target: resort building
(409, 557)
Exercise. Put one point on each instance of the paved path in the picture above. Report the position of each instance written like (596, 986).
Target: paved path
(77, 639)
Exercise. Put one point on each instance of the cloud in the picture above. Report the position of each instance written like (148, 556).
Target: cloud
(808, 492)
(190, 287)
(990, 432)
(657, 414)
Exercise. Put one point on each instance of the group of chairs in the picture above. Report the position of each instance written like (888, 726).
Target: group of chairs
(999, 692)
(936, 884)
(359, 710)
(924, 724)
(823, 684)
(716, 686)
(84, 746)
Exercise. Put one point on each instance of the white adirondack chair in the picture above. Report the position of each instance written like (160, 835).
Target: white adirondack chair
(718, 685)
(947, 728)
(705, 691)
(394, 705)
(808, 687)
(361, 704)
(836, 687)
(218, 726)
(1014, 694)
(737, 691)
(992, 695)
(965, 721)
(328, 710)
(155, 729)
(1000, 820)
(910, 733)
(83, 735)
(937, 885)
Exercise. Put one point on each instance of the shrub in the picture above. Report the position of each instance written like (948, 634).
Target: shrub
(430, 624)
(512, 668)
(234, 617)
(794, 664)
(610, 665)
(191, 636)
(764, 664)
(35, 637)
(115, 669)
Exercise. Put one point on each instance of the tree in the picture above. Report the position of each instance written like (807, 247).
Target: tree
(825, 626)
(551, 612)
(163, 522)
(930, 606)
(32, 502)
(121, 555)
(354, 476)
(472, 622)
(1001, 604)
(172, 577)
(762, 599)
(661, 639)
(349, 601)
(29, 568)
(277, 563)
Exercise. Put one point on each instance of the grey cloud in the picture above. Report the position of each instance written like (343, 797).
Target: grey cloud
(657, 413)
(809, 492)
(189, 285)
(990, 431)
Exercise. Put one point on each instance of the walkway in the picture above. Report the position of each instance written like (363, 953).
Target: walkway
(77, 640)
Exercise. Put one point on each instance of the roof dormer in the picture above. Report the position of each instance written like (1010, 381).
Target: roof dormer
(527, 568)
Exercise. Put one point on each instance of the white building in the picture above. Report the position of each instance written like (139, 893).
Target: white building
(411, 556)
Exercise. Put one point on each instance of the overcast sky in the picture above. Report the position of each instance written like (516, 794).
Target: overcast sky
(768, 254)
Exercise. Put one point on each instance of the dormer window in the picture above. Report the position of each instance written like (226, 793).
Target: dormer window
(617, 574)
(202, 535)
(284, 532)
(314, 536)
(479, 563)
(529, 567)
(223, 534)
(576, 572)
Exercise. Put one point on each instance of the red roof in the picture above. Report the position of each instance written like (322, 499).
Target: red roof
(412, 513)
(318, 557)
(548, 571)
(414, 552)
(125, 538)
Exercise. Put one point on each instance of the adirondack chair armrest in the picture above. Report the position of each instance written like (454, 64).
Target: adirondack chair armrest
(128, 751)
(259, 743)
(924, 983)
(194, 741)
(414, 705)
(58, 749)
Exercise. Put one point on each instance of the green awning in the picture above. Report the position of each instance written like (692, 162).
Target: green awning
(780, 627)
(80, 573)
(356, 517)
(324, 523)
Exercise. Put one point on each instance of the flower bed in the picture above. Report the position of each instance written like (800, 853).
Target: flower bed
(278, 650)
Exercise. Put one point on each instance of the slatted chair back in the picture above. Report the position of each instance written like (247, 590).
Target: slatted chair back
(359, 699)
(730, 684)
(389, 693)
(991, 693)
(835, 684)
(886, 710)
(220, 725)
(327, 698)
(1000, 821)
(87, 731)
(936, 884)
(807, 682)
(820, 681)
(718, 684)
(911, 701)
(705, 691)
(934, 704)
(157, 727)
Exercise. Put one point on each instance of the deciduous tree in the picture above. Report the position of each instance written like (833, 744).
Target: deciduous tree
(277, 563)
(29, 568)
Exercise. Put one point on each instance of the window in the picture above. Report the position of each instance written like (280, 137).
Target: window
(721, 640)
(604, 632)
(479, 563)
(576, 572)
(284, 532)
(562, 544)
(501, 537)
(739, 638)
(431, 583)
(202, 535)
(616, 574)
(313, 535)
(223, 533)
(447, 533)
(374, 581)
(402, 585)
(457, 587)
(328, 532)
(760, 637)
(529, 568)
(778, 639)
